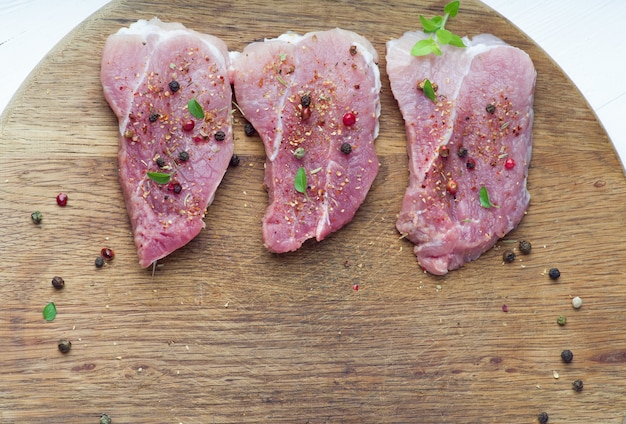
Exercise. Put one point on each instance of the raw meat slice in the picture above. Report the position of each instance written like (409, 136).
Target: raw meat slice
(477, 134)
(150, 72)
(310, 95)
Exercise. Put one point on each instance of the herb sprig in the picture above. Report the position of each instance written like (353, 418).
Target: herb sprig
(485, 201)
(159, 177)
(195, 109)
(437, 26)
(300, 181)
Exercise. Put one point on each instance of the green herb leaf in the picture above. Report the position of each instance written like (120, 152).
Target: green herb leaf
(452, 8)
(437, 25)
(49, 311)
(195, 109)
(300, 180)
(431, 25)
(429, 91)
(424, 47)
(485, 202)
(159, 177)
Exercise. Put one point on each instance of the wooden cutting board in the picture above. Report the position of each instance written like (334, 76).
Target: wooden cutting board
(226, 332)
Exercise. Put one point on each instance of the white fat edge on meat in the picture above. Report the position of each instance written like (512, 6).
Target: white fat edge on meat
(164, 30)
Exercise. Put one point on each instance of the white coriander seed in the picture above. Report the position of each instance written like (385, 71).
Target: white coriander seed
(577, 302)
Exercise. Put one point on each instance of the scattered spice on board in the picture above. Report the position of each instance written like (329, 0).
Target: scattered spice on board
(249, 130)
(234, 161)
(577, 302)
(577, 385)
(99, 262)
(525, 247)
(508, 256)
(543, 418)
(107, 253)
(65, 346)
(505, 308)
(561, 320)
(567, 356)
(36, 217)
(58, 283)
(105, 419)
(554, 273)
(62, 199)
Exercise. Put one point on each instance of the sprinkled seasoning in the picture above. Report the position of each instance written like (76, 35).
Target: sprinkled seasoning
(491, 108)
(153, 117)
(249, 130)
(346, 148)
(174, 86)
(58, 283)
(220, 136)
(567, 356)
(525, 247)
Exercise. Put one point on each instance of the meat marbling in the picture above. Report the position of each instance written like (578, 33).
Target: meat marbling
(482, 121)
(155, 134)
(274, 81)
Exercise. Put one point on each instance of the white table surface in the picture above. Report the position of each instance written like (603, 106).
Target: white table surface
(586, 38)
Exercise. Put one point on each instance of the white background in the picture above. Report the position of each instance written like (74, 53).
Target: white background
(586, 38)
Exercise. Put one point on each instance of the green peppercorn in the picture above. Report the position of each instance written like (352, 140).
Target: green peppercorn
(299, 153)
(346, 148)
(567, 356)
(58, 283)
(105, 419)
(543, 418)
(508, 256)
(220, 136)
(561, 320)
(65, 346)
(577, 385)
(36, 217)
(554, 273)
(525, 247)
(99, 262)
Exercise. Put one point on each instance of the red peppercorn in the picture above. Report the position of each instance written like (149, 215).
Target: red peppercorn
(355, 287)
(306, 113)
(509, 163)
(188, 125)
(452, 187)
(349, 119)
(199, 139)
(61, 199)
(107, 254)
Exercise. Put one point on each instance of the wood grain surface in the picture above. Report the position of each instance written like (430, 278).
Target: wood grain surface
(225, 332)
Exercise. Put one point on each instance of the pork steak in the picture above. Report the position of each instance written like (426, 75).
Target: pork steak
(314, 100)
(150, 72)
(469, 151)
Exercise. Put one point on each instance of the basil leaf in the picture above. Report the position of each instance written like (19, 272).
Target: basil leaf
(429, 91)
(158, 177)
(485, 202)
(423, 47)
(195, 109)
(49, 311)
(300, 180)
(452, 8)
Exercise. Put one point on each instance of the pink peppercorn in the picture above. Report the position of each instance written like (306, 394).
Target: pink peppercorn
(61, 199)
(349, 119)
(509, 163)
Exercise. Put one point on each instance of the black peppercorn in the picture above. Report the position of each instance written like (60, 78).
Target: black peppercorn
(58, 283)
(346, 148)
(554, 273)
(305, 100)
(178, 188)
(65, 345)
(174, 86)
(220, 136)
(462, 152)
(99, 262)
(491, 108)
(508, 256)
(577, 385)
(567, 356)
(234, 161)
(543, 418)
(249, 129)
(36, 217)
(183, 156)
(153, 117)
(470, 164)
(525, 247)
(160, 162)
